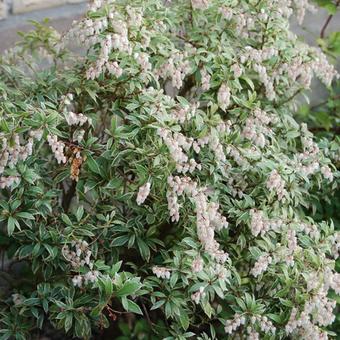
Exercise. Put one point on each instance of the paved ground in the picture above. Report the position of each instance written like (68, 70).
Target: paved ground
(61, 18)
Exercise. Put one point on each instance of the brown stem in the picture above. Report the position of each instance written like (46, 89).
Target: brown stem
(147, 315)
(335, 129)
(67, 197)
(288, 99)
(187, 40)
(330, 17)
(191, 15)
(188, 85)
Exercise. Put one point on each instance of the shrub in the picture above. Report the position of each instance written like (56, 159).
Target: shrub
(322, 117)
(157, 173)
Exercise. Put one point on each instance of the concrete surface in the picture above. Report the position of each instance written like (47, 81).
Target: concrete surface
(60, 18)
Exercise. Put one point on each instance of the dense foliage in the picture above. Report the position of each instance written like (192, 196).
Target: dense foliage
(323, 119)
(156, 179)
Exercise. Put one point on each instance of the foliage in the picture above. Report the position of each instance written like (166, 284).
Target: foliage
(156, 179)
(323, 119)
(323, 116)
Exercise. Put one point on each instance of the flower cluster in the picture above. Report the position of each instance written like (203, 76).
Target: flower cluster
(183, 114)
(276, 184)
(261, 265)
(317, 311)
(223, 97)
(18, 299)
(143, 193)
(200, 4)
(197, 265)
(80, 256)
(264, 323)
(327, 173)
(88, 278)
(233, 325)
(177, 144)
(176, 68)
(161, 272)
(227, 12)
(208, 219)
(335, 243)
(301, 7)
(258, 223)
(256, 128)
(118, 41)
(12, 151)
(206, 78)
(198, 296)
(8, 181)
(57, 148)
(77, 119)
(237, 70)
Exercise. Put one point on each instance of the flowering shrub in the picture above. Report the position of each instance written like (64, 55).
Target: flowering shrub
(158, 173)
(322, 118)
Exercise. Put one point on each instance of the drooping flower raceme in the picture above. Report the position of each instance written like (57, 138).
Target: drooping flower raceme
(143, 193)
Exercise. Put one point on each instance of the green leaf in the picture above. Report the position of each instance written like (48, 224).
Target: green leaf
(219, 291)
(53, 251)
(24, 215)
(62, 176)
(119, 241)
(115, 268)
(129, 288)
(96, 311)
(131, 306)
(107, 285)
(158, 304)
(80, 213)
(93, 165)
(25, 250)
(241, 303)
(11, 223)
(173, 279)
(92, 94)
(334, 42)
(184, 319)
(275, 317)
(183, 101)
(32, 302)
(208, 310)
(30, 176)
(68, 321)
(144, 249)
(66, 219)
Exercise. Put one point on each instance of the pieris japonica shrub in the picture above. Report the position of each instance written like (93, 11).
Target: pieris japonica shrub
(154, 175)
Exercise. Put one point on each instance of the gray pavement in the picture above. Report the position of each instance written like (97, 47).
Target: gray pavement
(60, 18)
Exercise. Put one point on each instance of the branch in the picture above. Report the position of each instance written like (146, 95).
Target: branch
(335, 129)
(187, 40)
(188, 85)
(288, 99)
(67, 196)
(330, 17)
(147, 315)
